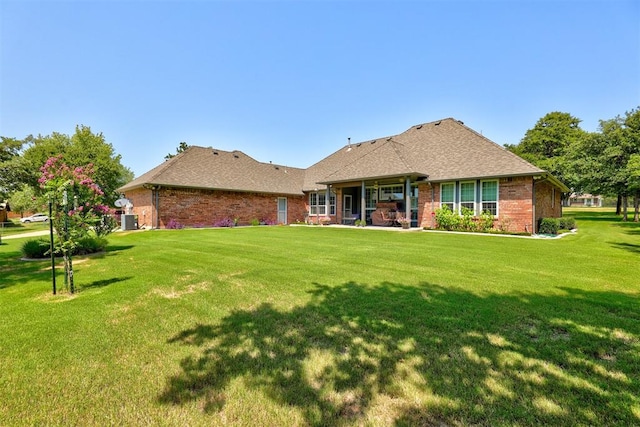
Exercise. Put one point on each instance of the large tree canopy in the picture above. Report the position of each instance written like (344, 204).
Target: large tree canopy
(547, 143)
(607, 162)
(78, 150)
(13, 170)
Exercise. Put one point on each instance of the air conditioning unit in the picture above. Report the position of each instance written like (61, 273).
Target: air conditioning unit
(128, 222)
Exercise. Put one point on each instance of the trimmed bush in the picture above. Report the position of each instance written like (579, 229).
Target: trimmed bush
(451, 221)
(90, 245)
(37, 248)
(567, 223)
(548, 226)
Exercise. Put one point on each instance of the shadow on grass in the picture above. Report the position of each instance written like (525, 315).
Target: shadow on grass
(112, 249)
(424, 355)
(633, 248)
(14, 271)
(103, 283)
(632, 228)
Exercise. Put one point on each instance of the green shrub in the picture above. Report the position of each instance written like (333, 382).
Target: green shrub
(486, 221)
(466, 220)
(548, 226)
(446, 219)
(90, 245)
(105, 225)
(37, 248)
(567, 223)
(255, 222)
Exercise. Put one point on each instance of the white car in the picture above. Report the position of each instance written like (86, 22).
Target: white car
(39, 217)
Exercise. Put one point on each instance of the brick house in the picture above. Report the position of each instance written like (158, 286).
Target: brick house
(413, 173)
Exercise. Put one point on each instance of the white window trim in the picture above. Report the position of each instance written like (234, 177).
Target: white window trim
(321, 209)
(497, 195)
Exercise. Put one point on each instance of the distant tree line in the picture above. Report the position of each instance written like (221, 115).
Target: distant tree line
(605, 162)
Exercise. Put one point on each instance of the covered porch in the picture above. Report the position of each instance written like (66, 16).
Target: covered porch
(385, 202)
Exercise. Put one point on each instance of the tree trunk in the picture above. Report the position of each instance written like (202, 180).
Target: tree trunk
(619, 205)
(625, 205)
(636, 207)
(68, 273)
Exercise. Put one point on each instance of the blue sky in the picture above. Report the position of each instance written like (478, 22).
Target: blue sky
(289, 82)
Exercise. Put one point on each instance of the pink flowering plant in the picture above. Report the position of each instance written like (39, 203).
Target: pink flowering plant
(76, 202)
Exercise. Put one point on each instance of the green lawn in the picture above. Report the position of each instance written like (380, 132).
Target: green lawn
(328, 326)
(16, 227)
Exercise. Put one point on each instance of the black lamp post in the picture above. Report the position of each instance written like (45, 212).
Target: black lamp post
(53, 260)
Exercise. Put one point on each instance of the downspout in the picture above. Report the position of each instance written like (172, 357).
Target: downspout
(432, 205)
(533, 205)
(157, 206)
(363, 203)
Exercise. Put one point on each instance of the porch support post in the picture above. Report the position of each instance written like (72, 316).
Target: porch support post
(327, 201)
(363, 202)
(407, 198)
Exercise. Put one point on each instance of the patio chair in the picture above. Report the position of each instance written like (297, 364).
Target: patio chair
(381, 218)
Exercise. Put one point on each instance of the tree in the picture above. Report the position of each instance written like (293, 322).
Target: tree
(606, 161)
(181, 148)
(547, 143)
(25, 200)
(634, 175)
(13, 170)
(76, 202)
(82, 148)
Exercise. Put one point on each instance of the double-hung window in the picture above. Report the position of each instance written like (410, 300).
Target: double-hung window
(318, 203)
(489, 196)
(447, 194)
(468, 196)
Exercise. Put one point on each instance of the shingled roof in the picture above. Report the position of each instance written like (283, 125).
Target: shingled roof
(440, 151)
(200, 167)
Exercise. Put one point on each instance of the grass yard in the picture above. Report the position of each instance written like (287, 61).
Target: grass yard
(328, 326)
(16, 227)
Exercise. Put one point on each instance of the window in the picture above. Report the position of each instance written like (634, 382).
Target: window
(468, 196)
(332, 203)
(318, 205)
(489, 196)
(371, 197)
(447, 192)
(392, 192)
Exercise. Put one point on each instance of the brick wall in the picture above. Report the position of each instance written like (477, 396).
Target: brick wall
(143, 206)
(196, 207)
(548, 201)
(426, 210)
(515, 211)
